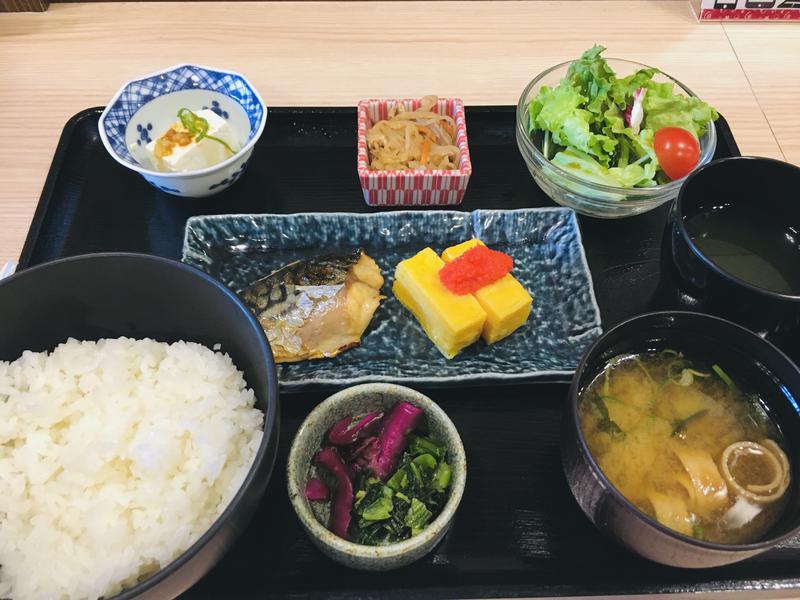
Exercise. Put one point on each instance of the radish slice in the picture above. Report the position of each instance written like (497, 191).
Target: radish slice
(634, 115)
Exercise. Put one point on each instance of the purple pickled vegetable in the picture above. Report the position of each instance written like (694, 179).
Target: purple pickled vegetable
(349, 431)
(403, 418)
(343, 498)
(316, 490)
(363, 453)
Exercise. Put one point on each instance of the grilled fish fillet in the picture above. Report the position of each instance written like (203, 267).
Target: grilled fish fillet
(316, 307)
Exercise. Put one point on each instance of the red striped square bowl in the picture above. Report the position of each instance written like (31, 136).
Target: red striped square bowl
(412, 187)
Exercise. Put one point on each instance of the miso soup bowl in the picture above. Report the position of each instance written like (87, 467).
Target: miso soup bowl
(743, 355)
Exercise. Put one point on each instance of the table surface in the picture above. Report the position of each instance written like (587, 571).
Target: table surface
(74, 56)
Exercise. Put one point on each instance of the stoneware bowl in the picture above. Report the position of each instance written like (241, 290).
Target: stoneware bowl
(359, 400)
(743, 353)
(144, 108)
(135, 295)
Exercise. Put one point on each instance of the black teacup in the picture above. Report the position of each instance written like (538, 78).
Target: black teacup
(736, 243)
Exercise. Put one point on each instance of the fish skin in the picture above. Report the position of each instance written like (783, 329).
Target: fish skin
(316, 307)
(275, 288)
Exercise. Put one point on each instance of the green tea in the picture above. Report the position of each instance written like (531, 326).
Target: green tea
(751, 246)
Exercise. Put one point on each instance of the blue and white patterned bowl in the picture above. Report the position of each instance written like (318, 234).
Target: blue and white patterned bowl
(147, 106)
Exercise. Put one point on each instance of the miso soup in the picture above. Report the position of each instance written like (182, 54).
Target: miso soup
(687, 445)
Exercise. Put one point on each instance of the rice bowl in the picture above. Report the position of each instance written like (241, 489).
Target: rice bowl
(115, 457)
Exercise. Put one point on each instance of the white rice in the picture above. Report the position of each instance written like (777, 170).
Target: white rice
(115, 456)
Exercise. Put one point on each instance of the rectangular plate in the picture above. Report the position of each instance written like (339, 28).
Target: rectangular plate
(518, 531)
(549, 262)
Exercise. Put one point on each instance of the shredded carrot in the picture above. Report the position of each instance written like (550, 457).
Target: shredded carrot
(426, 132)
(426, 150)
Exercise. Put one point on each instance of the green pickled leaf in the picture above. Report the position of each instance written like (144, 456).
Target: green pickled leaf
(418, 516)
(424, 445)
(425, 461)
(379, 510)
(441, 478)
(398, 480)
(415, 474)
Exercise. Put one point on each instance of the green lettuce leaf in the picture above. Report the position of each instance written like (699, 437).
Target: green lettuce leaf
(641, 144)
(593, 78)
(664, 108)
(586, 167)
(622, 89)
(556, 110)
(635, 175)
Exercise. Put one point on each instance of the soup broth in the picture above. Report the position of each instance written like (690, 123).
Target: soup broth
(687, 446)
(752, 245)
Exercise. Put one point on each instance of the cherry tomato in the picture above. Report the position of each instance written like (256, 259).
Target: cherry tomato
(677, 151)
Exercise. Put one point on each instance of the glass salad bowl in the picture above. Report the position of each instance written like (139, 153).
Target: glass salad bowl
(588, 197)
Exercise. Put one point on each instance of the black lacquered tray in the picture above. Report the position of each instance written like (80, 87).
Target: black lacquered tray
(518, 532)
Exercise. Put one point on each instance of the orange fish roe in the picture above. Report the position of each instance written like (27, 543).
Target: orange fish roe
(476, 268)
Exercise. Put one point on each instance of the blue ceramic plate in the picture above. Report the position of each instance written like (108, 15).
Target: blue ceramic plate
(548, 260)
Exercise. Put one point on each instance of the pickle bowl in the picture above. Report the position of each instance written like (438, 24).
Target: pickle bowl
(588, 197)
(358, 400)
(145, 107)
